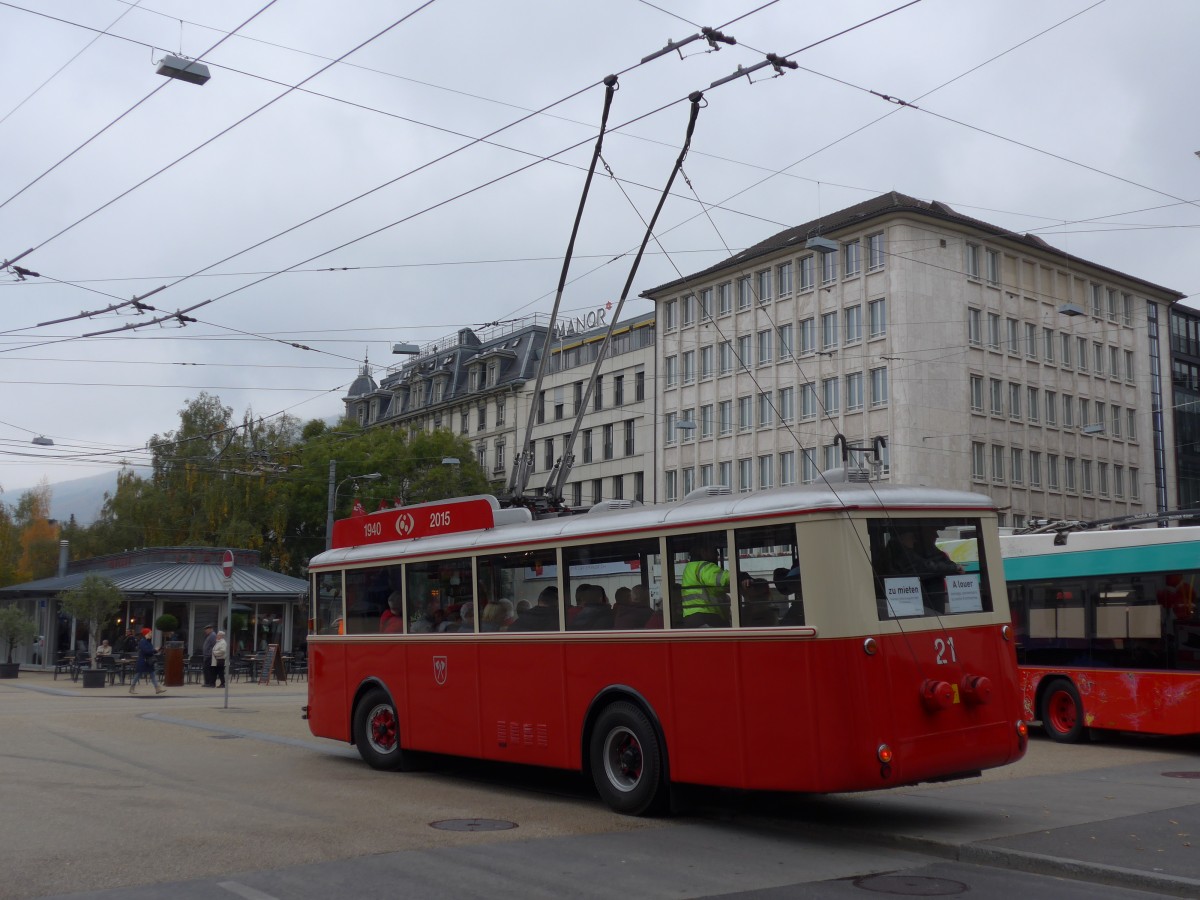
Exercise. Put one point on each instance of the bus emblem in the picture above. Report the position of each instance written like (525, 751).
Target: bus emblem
(439, 669)
(404, 524)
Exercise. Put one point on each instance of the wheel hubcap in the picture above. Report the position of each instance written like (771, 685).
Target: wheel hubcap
(623, 759)
(382, 726)
(1062, 711)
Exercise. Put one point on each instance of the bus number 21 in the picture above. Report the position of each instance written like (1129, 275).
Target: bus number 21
(941, 647)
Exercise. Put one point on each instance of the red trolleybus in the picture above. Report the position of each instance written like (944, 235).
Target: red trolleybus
(1108, 629)
(823, 662)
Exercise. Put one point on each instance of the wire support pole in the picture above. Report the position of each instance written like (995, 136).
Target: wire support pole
(522, 467)
(558, 476)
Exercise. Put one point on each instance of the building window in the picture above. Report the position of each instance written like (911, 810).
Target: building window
(829, 267)
(706, 309)
(1014, 339)
(618, 390)
(1017, 468)
(764, 286)
(744, 351)
(1135, 487)
(766, 469)
(977, 393)
(1035, 469)
(786, 404)
(725, 357)
(724, 299)
(1119, 482)
(706, 362)
(853, 319)
(706, 421)
(829, 396)
(1030, 341)
(499, 410)
(808, 336)
(1069, 473)
(808, 401)
(608, 441)
(1102, 478)
(669, 427)
(706, 475)
(639, 386)
(1126, 309)
(689, 309)
(725, 473)
(1129, 366)
(585, 440)
(971, 260)
(829, 330)
(1131, 428)
(745, 413)
(1014, 401)
(1052, 471)
(993, 331)
(875, 251)
(853, 253)
(481, 454)
(1098, 359)
(1048, 344)
(744, 289)
(1116, 421)
(1068, 411)
(464, 421)
(974, 327)
(783, 277)
(997, 464)
(978, 461)
(1085, 467)
(1032, 404)
(806, 273)
(996, 391)
(669, 315)
(1114, 362)
(481, 417)
(785, 341)
(1051, 408)
(1081, 354)
(598, 397)
(766, 343)
(854, 392)
(787, 467)
(688, 367)
(630, 431)
(745, 475)
(689, 481)
(877, 313)
(548, 455)
(725, 416)
(671, 370)
(1097, 300)
(765, 413)
(1084, 413)
(671, 485)
(993, 267)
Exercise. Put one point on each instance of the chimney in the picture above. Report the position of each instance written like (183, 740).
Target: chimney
(63, 554)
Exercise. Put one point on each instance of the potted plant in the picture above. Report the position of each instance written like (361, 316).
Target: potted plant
(15, 628)
(92, 602)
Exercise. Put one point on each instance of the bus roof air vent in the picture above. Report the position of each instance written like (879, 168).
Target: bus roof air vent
(611, 505)
(709, 490)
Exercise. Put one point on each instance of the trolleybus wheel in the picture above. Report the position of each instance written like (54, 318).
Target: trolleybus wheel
(1062, 712)
(627, 760)
(377, 731)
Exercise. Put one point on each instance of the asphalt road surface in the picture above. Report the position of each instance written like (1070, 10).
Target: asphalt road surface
(110, 795)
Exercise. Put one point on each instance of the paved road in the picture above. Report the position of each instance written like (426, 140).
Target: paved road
(107, 795)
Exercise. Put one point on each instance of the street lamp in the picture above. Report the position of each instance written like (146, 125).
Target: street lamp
(333, 492)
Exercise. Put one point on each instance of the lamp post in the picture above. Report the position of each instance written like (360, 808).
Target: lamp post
(333, 492)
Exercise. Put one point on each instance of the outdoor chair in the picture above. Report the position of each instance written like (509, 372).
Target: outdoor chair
(64, 664)
(109, 665)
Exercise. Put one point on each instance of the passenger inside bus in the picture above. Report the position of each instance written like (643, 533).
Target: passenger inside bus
(392, 621)
(757, 611)
(704, 587)
(543, 617)
(594, 612)
(632, 607)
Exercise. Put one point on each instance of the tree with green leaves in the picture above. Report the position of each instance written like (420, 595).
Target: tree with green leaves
(93, 601)
(15, 628)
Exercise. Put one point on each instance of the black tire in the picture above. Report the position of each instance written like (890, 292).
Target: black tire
(377, 731)
(627, 760)
(1062, 712)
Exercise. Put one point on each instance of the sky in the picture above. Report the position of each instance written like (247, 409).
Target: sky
(356, 175)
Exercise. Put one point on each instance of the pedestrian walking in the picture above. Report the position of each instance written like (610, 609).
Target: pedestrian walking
(145, 663)
(219, 654)
(210, 639)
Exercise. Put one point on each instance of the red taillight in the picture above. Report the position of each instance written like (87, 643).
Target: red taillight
(884, 753)
(1022, 735)
(936, 695)
(976, 688)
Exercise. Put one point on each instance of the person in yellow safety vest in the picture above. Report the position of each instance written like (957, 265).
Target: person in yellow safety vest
(704, 589)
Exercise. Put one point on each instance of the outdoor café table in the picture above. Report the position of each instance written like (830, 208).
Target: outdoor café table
(123, 667)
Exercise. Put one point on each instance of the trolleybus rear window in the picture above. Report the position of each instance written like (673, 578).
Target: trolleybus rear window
(915, 577)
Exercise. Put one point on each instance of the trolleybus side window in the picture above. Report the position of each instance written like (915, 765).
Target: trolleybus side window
(769, 557)
(609, 585)
(435, 591)
(700, 580)
(327, 607)
(367, 593)
(915, 577)
(512, 581)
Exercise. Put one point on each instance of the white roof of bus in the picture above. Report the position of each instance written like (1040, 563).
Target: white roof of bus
(699, 511)
(1018, 545)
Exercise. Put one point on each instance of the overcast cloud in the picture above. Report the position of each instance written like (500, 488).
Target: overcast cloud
(1105, 96)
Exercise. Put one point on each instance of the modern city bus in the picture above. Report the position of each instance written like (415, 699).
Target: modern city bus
(1107, 631)
(827, 658)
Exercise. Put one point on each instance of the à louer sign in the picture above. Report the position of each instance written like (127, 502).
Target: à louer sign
(412, 522)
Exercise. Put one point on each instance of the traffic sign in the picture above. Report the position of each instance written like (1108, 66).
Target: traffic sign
(227, 564)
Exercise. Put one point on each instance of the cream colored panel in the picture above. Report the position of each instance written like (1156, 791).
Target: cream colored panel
(1144, 622)
(1070, 622)
(1111, 622)
(1041, 623)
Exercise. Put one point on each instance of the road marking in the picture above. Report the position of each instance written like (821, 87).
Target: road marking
(243, 891)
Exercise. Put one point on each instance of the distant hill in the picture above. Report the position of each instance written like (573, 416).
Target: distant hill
(80, 497)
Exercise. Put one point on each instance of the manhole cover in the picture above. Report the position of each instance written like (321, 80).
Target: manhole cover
(910, 885)
(473, 824)
(1181, 774)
